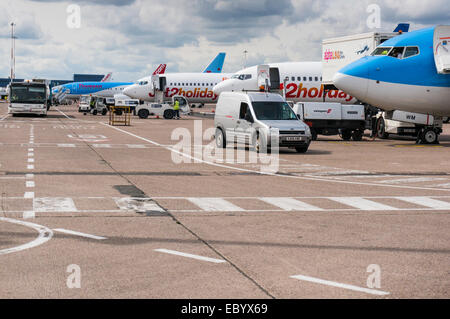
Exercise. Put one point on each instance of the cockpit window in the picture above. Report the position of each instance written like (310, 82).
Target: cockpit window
(143, 82)
(397, 52)
(381, 51)
(242, 76)
(411, 51)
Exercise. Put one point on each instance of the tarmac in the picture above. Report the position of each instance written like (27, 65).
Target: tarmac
(90, 210)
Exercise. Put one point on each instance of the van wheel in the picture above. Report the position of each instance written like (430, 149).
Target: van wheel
(168, 114)
(357, 135)
(346, 135)
(221, 141)
(381, 129)
(302, 149)
(104, 111)
(94, 112)
(143, 114)
(313, 135)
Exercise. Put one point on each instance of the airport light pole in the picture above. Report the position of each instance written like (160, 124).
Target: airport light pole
(245, 58)
(13, 52)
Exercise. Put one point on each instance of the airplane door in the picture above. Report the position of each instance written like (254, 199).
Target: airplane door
(441, 49)
(155, 82)
(263, 76)
(162, 83)
(274, 79)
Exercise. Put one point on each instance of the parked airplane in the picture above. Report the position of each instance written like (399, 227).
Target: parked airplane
(302, 81)
(196, 87)
(410, 73)
(103, 88)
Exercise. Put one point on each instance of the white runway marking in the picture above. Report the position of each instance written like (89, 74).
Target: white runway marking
(174, 252)
(426, 201)
(30, 166)
(45, 234)
(29, 184)
(362, 203)
(54, 204)
(29, 176)
(136, 146)
(31, 160)
(66, 145)
(31, 150)
(28, 214)
(138, 204)
(71, 232)
(287, 203)
(212, 204)
(339, 285)
(28, 195)
(412, 180)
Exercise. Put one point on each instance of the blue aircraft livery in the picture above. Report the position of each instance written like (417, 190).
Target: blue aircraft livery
(216, 65)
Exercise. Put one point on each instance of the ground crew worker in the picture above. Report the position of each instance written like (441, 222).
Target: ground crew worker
(176, 108)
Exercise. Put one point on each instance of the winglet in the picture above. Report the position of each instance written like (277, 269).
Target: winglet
(402, 27)
(160, 69)
(216, 65)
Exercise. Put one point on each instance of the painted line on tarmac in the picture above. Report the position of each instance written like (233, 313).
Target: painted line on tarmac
(45, 234)
(63, 113)
(72, 232)
(4, 117)
(178, 253)
(199, 160)
(340, 285)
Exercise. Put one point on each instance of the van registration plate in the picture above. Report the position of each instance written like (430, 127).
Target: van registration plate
(293, 138)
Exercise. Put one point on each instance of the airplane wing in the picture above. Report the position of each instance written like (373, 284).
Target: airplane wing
(160, 69)
(107, 77)
(216, 65)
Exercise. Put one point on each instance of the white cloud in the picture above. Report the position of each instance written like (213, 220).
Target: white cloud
(130, 38)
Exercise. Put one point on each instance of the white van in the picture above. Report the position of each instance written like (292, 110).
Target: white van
(252, 118)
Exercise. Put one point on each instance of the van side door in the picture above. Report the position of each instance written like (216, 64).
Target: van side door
(243, 127)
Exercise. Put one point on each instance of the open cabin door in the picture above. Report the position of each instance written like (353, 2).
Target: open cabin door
(441, 49)
(263, 76)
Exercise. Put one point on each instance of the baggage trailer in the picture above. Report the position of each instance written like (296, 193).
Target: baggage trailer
(332, 119)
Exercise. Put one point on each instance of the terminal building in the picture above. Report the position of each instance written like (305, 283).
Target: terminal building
(76, 78)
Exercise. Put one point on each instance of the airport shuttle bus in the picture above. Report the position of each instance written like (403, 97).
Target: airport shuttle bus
(28, 97)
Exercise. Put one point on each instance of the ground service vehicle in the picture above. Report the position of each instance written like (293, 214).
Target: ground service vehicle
(253, 118)
(28, 97)
(332, 118)
(163, 109)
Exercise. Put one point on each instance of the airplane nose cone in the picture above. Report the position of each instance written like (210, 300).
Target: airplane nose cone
(353, 79)
(130, 91)
(224, 86)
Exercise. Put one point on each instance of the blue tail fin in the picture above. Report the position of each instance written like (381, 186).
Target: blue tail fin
(216, 65)
(403, 27)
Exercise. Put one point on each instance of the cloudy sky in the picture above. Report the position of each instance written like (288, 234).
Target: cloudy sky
(131, 37)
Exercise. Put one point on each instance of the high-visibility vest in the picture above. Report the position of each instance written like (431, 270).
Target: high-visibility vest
(176, 106)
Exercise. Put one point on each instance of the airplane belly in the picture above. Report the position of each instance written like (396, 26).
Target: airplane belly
(413, 98)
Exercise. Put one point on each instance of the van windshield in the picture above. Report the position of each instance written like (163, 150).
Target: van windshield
(273, 111)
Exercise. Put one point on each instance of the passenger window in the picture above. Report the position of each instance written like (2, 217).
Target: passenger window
(411, 51)
(316, 79)
(299, 78)
(397, 52)
(304, 79)
(293, 78)
(310, 78)
(243, 110)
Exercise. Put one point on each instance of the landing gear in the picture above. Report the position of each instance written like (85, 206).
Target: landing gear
(428, 135)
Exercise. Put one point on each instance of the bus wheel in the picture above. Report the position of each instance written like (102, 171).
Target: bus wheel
(168, 114)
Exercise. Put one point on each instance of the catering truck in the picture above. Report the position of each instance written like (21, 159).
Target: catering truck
(332, 118)
(28, 97)
(341, 51)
